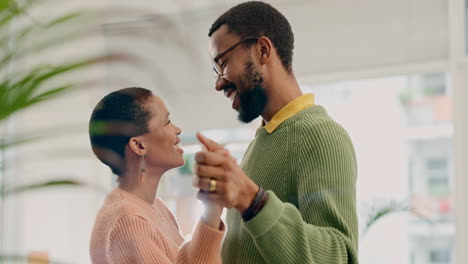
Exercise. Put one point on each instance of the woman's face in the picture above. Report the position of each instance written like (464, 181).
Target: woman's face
(162, 141)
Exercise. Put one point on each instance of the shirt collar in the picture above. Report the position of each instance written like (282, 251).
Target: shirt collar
(289, 110)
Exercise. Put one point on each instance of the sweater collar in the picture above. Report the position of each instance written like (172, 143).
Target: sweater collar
(289, 110)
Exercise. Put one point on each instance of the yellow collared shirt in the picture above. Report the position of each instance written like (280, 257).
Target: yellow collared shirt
(292, 108)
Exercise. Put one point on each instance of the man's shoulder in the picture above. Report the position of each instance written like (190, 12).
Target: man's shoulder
(314, 118)
(313, 126)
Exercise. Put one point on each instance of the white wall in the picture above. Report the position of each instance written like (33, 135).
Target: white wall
(331, 37)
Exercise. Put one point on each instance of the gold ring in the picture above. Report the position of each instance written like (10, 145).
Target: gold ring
(212, 187)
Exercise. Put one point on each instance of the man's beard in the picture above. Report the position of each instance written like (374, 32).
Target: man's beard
(254, 98)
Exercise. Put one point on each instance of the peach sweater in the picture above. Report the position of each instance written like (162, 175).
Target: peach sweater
(129, 230)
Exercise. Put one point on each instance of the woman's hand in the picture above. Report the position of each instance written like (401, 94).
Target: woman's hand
(212, 214)
(213, 210)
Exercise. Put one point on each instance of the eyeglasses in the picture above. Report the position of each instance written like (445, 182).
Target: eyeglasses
(218, 69)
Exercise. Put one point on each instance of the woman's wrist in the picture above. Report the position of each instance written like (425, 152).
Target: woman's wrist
(212, 215)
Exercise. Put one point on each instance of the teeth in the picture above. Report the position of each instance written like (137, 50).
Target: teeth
(232, 95)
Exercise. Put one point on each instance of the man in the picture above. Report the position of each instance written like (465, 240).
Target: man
(302, 158)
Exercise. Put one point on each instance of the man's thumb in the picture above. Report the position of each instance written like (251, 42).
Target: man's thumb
(208, 143)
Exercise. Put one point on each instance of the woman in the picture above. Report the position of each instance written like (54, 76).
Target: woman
(130, 131)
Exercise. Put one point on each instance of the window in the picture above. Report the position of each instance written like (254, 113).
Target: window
(425, 100)
(401, 128)
(439, 256)
(433, 84)
(437, 176)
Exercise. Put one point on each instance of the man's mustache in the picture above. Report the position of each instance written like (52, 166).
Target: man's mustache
(229, 86)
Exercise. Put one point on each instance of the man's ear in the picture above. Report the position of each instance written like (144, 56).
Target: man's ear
(265, 48)
(137, 146)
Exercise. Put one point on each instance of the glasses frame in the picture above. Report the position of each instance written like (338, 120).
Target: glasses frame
(218, 70)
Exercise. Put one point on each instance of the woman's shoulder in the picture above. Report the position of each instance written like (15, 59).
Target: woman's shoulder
(121, 220)
(118, 205)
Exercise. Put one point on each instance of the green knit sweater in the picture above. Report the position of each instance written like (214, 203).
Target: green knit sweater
(308, 166)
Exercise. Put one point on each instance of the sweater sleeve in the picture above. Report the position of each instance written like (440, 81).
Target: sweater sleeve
(132, 240)
(323, 226)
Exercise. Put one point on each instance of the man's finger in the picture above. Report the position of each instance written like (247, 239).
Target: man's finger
(210, 158)
(206, 171)
(208, 143)
(204, 184)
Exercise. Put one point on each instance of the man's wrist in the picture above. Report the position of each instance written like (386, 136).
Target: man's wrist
(249, 197)
(257, 205)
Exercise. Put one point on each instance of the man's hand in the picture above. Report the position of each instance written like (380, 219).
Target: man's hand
(233, 188)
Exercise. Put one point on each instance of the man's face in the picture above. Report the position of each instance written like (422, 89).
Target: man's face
(240, 81)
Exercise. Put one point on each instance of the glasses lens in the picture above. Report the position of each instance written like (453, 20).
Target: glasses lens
(216, 69)
(215, 73)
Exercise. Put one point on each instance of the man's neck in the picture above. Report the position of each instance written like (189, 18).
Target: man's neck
(279, 95)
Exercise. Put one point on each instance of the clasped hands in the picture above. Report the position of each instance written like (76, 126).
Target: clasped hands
(220, 179)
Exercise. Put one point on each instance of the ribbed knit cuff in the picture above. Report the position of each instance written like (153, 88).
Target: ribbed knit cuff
(266, 218)
(206, 240)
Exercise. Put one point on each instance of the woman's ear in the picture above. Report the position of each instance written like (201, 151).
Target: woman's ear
(137, 146)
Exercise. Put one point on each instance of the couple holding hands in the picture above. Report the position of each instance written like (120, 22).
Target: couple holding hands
(291, 200)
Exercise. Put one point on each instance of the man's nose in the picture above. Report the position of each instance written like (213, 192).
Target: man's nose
(220, 83)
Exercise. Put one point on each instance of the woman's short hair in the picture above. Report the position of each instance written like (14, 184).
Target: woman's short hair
(118, 117)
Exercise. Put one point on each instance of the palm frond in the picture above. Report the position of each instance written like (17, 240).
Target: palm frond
(10, 9)
(4, 4)
(378, 212)
(41, 185)
(16, 142)
(27, 91)
(66, 18)
(23, 88)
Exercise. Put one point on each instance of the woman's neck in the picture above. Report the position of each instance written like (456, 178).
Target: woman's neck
(143, 185)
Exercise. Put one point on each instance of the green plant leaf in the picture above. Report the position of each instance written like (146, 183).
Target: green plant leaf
(50, 93)
(18, 37)
(26, 100)
(379, 212)
(15, 96)
(66, 18)
(48, 184)
(12, 10)
(65, 182)
(4, 4)
(16, 142)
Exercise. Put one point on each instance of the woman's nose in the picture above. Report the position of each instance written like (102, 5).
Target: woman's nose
(178, 130)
